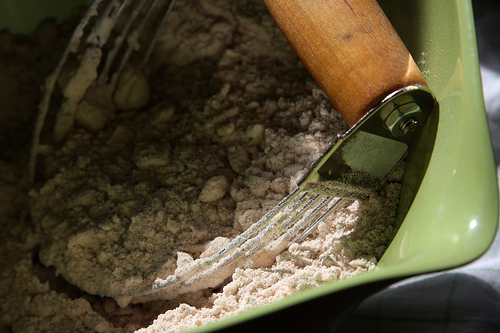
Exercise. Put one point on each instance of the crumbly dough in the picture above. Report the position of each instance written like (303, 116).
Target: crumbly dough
(118, 205)
(344, 246)
(230, 122)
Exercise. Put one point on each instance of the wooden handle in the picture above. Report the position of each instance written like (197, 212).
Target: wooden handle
(350, 48)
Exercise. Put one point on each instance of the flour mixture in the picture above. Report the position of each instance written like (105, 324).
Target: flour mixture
(224, 122)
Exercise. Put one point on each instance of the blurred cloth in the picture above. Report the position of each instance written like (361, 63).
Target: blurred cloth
(466, 299)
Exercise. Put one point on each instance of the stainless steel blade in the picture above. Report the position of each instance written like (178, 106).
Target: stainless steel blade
(358, 162)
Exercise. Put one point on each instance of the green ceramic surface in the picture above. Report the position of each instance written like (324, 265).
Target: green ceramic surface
(452, 210)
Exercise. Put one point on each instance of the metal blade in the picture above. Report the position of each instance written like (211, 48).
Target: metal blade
(358, 162)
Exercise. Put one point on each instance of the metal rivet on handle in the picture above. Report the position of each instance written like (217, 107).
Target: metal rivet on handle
(405, 119)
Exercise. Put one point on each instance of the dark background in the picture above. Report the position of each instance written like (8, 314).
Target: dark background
(487, 19)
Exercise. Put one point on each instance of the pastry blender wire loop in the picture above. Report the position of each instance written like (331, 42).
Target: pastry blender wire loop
(109, 33)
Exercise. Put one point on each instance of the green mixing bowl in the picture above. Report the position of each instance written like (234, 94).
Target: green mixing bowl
(449, 209)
